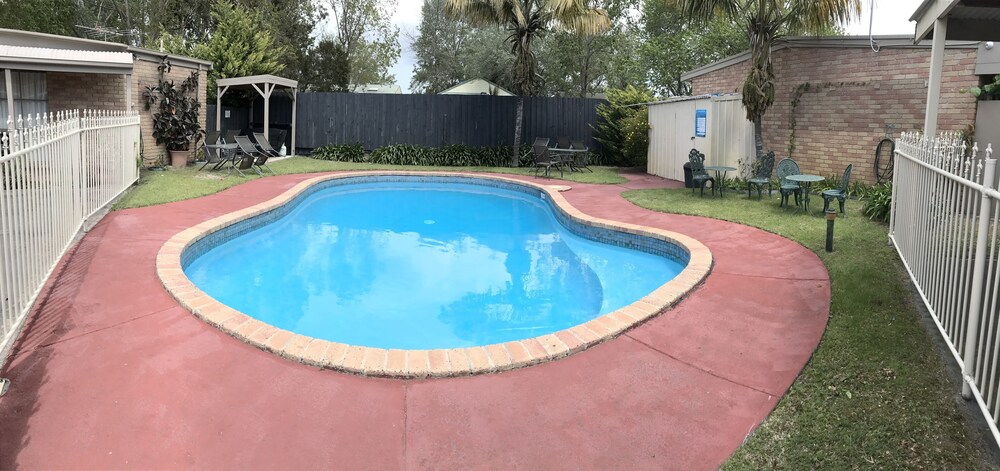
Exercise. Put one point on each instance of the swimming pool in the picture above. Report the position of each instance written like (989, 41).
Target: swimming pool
(424, 263)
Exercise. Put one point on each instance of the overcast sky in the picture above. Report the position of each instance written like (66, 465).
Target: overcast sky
(890, 17)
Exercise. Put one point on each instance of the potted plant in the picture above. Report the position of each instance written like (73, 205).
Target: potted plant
(175, 122)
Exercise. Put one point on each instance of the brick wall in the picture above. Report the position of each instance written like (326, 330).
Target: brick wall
(144, 74)
(852, 94)
(78, 91)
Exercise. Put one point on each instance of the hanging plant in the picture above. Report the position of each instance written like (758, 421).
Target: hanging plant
(175, 121)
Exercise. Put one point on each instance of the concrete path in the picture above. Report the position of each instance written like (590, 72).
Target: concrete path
(112, 373)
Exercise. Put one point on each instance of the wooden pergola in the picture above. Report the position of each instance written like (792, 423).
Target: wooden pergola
(265, 86)
(972, 20)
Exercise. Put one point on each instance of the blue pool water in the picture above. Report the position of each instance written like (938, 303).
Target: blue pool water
(419, 265)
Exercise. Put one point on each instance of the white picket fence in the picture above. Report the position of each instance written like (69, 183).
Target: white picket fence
(56, 171)
(944, 225)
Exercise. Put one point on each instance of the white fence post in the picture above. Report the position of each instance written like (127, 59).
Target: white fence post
(975, 307)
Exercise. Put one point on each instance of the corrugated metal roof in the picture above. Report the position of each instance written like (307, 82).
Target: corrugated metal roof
(35, 54)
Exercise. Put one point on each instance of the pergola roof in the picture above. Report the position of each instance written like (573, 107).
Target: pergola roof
(973, 20)
(250, 81)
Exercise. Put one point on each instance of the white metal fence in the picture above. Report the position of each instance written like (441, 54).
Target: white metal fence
(56, 171)
(944, 225)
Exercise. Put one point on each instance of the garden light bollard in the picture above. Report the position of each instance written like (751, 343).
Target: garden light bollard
(831, 216)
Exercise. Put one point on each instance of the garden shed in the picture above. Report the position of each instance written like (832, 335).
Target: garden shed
(716, 125)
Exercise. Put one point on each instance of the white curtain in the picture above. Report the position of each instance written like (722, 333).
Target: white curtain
(30, 95)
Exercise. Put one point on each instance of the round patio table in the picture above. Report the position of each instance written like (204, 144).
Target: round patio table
(720, 173)
(805, 181)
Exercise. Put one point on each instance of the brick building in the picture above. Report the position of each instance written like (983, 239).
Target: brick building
(44, 73)
(835, 95)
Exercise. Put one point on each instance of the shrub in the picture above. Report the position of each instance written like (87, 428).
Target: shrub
(340, 153)
(878, 202)
(624, 129)
(408, 154)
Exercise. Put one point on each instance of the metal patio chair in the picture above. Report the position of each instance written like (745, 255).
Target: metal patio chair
(787, 167)
(839, 193)
(698, 174)
(763, 175)
(263, 145)
(544, 159)
(258, 159)
(581, 160)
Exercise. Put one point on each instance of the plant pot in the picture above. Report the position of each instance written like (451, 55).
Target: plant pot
(179, 158)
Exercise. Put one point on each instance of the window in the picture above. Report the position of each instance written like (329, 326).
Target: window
(30, 94)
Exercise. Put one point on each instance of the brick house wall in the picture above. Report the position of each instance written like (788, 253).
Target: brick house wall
(845, 97)
(144, 74)
(79, 91)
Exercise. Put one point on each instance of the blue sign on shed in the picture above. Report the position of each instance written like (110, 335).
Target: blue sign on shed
(700, 122)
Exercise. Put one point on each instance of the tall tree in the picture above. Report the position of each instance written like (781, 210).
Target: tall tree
(365, 33)
(764, 21)
(439, 47)
(240, 45)
(525, 21)
(43, 16)
(327, 68)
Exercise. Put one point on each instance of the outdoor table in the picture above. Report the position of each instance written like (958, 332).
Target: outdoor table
(567, 156)
(720, 174)
(224, 155)
(805, 181)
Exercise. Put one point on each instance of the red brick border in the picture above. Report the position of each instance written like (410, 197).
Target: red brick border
(423, 363)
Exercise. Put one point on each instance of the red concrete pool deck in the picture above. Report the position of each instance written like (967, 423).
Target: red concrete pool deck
(112, 373)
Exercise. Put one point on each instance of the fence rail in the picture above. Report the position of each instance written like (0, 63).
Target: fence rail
(944, 225)
(56, 171)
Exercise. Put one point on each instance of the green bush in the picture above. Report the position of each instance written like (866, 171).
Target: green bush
(624, 129)
(340, 153)
(408, 154)
(878, 202)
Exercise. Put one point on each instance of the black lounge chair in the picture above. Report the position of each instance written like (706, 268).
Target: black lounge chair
(263, 145)
(258, 159)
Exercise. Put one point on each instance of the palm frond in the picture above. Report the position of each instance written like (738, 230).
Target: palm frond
(707, 9)
(476, 12)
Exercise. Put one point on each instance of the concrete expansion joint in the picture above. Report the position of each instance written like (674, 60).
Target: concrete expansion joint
(102, 329)
(699, 368)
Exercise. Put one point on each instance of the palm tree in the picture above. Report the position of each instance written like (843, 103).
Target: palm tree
(526, 20)
(764, 21)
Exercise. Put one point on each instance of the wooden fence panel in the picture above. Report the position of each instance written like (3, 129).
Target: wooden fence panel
(376, 120)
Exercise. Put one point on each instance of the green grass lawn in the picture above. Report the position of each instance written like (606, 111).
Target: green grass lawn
(875, 394)
(157, 187)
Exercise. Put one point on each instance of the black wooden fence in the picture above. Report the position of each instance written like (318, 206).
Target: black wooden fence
(376, 120)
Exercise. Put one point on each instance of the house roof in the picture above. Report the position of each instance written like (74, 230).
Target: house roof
(40, 51)
(892, 41)
(476, 81)
(377, 88)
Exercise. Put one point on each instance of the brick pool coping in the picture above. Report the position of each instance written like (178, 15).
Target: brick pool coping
(396, 363)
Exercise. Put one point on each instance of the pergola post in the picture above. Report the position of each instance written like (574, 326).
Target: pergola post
(218, 107)
(934, 80)
(294, 93)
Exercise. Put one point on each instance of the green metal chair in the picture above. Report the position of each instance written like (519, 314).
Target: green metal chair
(763, 176)
(787, 167)
(698, 174)
(839, 193)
